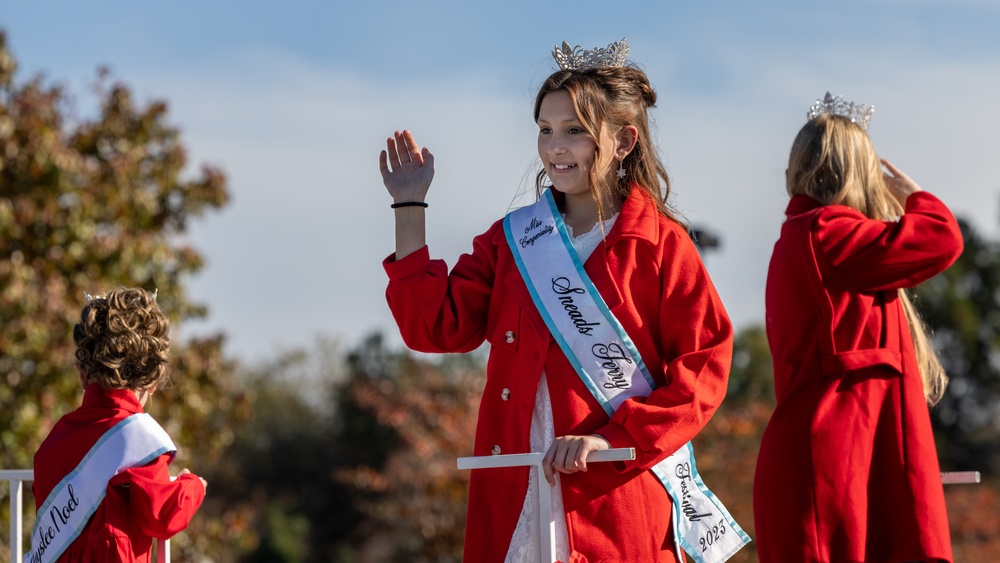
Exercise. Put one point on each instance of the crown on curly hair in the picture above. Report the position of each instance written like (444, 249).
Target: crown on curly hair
(121, 340)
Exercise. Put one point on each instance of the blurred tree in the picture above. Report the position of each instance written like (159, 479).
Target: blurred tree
(424, 416)
(87, 204)
(752, 375)
(282, 463)
(726, 449)
(962, 308)
(371, 479)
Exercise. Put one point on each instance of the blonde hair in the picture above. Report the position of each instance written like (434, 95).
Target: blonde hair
(121, 340)
(833, 161)
(614, 97)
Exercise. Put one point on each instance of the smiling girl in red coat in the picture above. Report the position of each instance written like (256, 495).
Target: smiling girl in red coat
(101, 481)
(848, 470)
(604, 331)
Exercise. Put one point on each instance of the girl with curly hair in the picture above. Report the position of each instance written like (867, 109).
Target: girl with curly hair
(101, 482)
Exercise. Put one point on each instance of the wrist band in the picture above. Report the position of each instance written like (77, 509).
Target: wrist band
(408, 204)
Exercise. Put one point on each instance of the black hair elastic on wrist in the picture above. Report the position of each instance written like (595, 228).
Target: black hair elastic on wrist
(408, 204)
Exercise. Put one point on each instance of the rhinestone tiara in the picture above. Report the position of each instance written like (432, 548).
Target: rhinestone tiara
(578, 58)
(857, 113)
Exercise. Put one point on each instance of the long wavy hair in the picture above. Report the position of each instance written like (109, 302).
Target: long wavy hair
(611, 98)
(121, 340)
(834, 162)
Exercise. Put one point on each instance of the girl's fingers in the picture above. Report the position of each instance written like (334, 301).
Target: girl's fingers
(402, 150)
(390, 144)
(547, 466)
(896, 172)
(581, 457)
(412, 149)
(560, 461)
(383, 164)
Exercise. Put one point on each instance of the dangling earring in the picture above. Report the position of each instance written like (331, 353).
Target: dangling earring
(621, 169)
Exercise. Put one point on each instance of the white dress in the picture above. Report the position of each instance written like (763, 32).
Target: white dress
(525, 544)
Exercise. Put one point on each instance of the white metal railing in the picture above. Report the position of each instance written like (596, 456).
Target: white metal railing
(545, 523)
(17, 478)
(547, 526)
(960, 477)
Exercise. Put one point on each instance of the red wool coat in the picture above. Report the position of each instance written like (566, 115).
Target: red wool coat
(140, 503)
(848, 470)
(652, 278)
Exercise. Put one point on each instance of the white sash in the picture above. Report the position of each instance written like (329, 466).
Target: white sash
(608, 362)
(133, 442)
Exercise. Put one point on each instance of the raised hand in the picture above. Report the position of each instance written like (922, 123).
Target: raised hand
(406, 169)
(900, 185)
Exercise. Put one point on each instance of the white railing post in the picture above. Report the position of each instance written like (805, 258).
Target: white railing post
(16, 507)
(545, 523)
(17, 478)
(162, 551)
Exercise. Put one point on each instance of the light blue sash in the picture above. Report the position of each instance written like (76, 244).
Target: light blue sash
(133, 442)
(609, 364)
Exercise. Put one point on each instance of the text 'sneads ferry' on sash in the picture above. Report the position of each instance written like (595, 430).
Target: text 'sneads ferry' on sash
(133, 442)
(609, 364)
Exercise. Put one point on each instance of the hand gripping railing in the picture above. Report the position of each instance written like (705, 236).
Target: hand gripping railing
(16, 478)
(545, 523)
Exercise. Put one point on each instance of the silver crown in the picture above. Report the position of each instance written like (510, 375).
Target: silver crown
(578, 58)
(857, 113)
(90, 297)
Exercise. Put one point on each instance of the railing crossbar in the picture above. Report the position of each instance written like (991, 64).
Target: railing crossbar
(545, 523)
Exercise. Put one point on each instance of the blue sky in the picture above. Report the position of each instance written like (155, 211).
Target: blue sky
(294, 100)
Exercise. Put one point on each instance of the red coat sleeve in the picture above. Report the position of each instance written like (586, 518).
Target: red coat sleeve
(696, 345)
(161, 507)
(879, 255)
(437, 312)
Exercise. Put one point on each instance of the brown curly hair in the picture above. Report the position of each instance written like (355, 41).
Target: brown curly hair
(121, 340)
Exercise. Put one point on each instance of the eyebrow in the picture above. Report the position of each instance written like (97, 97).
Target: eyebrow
(575, 120)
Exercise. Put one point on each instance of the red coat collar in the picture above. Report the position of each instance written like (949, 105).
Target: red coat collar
(800, 204)
(638, 218)
(124, 399)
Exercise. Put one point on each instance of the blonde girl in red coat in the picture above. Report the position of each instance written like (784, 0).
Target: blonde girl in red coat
(101, 482)
(604, 331)
(848, 469)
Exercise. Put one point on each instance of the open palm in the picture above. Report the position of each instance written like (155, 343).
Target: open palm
(407, 170)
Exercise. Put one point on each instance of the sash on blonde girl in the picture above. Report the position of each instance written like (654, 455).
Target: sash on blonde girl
(609, 364)
(133, 442)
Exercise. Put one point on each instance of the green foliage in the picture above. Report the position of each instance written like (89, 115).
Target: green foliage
(280, 468)
(416, 496)
(962, 309)
(87, 204)
(752, 375)
(352, 457)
